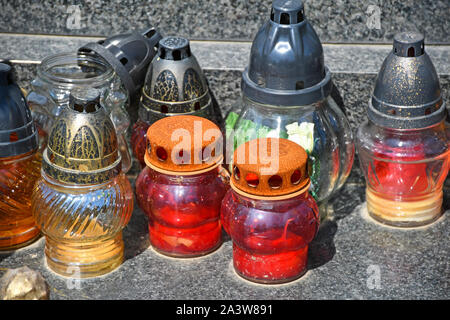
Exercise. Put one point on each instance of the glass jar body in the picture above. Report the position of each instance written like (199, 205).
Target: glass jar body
(17, 178)
(83, 224)
(405, 171)
(270, 237)
(320, 128)
(58, 75)
(183, 211)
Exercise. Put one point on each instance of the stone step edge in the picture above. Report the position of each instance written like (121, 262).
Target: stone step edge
(221, 55)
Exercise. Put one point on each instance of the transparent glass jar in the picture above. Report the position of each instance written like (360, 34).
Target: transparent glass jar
(18, 175)
(183, 210)
(83, 224)
(270, 237)
(405, 171)
(58, 75)
(320, 128)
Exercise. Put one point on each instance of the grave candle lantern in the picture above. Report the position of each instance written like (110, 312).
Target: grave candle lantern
(287, 94)
(174, 85)
(83, 200)
(270, 216)
(20, 165)
(183, 185)
(403, 147)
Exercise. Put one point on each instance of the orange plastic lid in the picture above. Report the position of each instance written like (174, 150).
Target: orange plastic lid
(183, 144)
(270, 167)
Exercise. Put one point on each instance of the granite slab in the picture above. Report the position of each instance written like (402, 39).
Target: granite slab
(222, 55)
(352, 257)
(354, 89)
(333, 20)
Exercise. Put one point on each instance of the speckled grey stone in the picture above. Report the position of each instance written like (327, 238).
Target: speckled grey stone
(348, 251)
(333, 20)
(223, 55)
(354, 88)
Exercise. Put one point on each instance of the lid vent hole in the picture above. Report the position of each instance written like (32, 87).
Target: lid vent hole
(161, 154)
(300, 16)
(176, 55)
(150, 33)
(275, 182)
(252, 180)
(284, 18)
(296, 177)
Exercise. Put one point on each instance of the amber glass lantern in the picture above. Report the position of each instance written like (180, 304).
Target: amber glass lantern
(183, 185)
(268, 212)
(20, 165)
(403, 147)
(83, 200)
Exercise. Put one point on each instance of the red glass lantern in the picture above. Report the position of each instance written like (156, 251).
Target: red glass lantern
(182, 187)
(271, 217)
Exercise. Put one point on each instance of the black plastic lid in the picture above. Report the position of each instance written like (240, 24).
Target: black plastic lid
(174, 48)
(286, 65)
(128, 54)
(407, 93)
(18, 134)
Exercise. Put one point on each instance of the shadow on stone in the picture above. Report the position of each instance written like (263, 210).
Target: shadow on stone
(446, 203)
(135, 234)
(322, 249)
(336, 95)
(4, 255)
(219, 120)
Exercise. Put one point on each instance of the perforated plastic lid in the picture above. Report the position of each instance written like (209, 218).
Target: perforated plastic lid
(183, 144)
(407, 93)
(270, 167)
(286, 65)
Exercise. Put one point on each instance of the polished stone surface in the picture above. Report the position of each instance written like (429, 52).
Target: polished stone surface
(352, 257)
(222, 55)
(333, 20)
(354, 89)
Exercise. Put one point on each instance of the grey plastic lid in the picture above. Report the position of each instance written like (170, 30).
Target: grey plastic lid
(286, 65)
(128, 54)
(18, 134)
(174, 48)
(407, 93)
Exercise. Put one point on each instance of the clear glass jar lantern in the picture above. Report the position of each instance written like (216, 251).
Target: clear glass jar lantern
(403, 147)
(83, 199)
(58, 75)
(286, 93)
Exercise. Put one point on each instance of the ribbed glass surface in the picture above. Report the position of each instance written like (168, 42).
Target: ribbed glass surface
(17, 178)
(83, 225)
